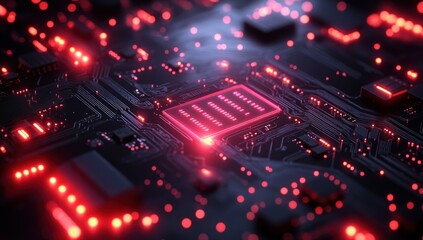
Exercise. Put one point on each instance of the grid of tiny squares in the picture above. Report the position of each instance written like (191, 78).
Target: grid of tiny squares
(221, 112)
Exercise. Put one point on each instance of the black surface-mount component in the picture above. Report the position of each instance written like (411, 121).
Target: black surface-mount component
(269, 28)
(123, 135)
(387, 91)
(38, 63)
(307, 141)
(102, 186)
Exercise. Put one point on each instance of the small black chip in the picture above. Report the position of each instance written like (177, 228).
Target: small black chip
(269, 28)
(38, 63)
(123, 135)
(8, 79)
(307, 141)
(318, 151)
(127, 53)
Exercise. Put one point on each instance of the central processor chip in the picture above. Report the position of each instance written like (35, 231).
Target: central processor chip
(221, 112)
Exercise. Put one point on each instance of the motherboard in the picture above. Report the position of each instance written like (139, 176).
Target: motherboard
(211, 119)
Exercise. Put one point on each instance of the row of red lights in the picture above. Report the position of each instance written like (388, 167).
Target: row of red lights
(343, 37)
(29, 171)
(25, 136)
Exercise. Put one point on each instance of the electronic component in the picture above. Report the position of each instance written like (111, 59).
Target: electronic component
(123, 135)
(269, 28)
(386, 91)
(221, 112)
(98, 183)
(38, 63)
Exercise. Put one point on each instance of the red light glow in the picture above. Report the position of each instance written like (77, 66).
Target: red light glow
(350, 231)
(412, 74)
(24, 136)
(38, 128)
(92, 222)
(65, 221)
(342, 37)
(221, 112)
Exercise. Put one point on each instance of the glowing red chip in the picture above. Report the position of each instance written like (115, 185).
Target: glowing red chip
(220, 112)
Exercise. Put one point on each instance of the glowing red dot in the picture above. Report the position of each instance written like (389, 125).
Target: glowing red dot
(200, 214)
(186, 223)
(154, 218)
(420, 7)
(147, 221)
(392, 207)
(414, 186)
(393, 225)
(116, 223)
(220, 227)
(307, 6)
(80, 209)
(92, 222)
(374, 20)
(341, 6)
(71, 7)
(166, 15)
(168, 208)
(127, 218)
(112, 22)
(43, 6)
(292, 204)
(350, 231)
(311, 36)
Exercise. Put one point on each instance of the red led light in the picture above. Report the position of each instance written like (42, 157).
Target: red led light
(61, 189)
(220, 112)
(412, 74)
(38, 128)
(23, 134)
(166, 15)
(52, 180)
(393, 225)
(80, 209)
(65, 221)
(270, 71)
(186, 223)
(116, 223)
(127, 218)
(141, 118)
(342, 37)
(220, 227)
(3, 11)
(144, 55)
(71, 198)
(92, 222)
(146, 17)
(420, 7)
(147, 221)
(350, 231)
(200, 214)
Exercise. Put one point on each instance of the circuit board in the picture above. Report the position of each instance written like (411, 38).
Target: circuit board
(211, 119)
